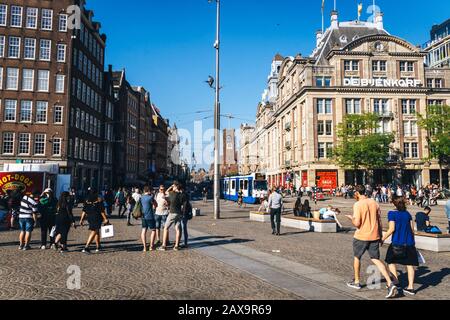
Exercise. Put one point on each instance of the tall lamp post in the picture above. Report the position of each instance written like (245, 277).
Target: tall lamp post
(217, 119)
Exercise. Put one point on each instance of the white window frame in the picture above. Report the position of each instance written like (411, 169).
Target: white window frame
(45, 49)
(353, 104)
(1, 78)
(43, 80)
(61, 49)
(6, 106)
(34, 14)
(59, 143)
(8, 77)
(27, 78)
(39, 104)
(26, 142)
(2, 46)
(62, 22)
(4, 15)
(11, 141)
(16, 46)
(25, 47)
(44, 19)
(15, 15)
(58, 110)
(60, 83)
(40, 141)
(30, 119)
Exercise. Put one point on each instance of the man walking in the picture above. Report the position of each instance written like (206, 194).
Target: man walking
(367, 219)
(275, 206)
(47, 208)
(120, 200)
(27, 219)
(176, 200)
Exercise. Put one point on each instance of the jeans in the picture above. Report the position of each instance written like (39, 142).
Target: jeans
(184, 226)
(108, 210)
(130, 210)
(122, 206)
(275, 219)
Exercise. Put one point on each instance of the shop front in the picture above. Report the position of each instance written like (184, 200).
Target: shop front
(327, 180)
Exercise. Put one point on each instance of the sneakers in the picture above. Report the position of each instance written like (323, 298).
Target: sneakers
(43, 248)
(354, 285)
(176, 248)
(53, 247)
(21, 247)
(26, 248)
(162, 249)
(86, 250)
(410, 292)
(392, 291)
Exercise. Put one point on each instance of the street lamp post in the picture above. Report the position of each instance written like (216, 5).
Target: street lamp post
(217, 119)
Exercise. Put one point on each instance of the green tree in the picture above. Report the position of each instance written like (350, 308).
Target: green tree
(360, 146)
(437, 124)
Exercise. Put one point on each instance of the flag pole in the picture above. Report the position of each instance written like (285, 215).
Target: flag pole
(323, 17)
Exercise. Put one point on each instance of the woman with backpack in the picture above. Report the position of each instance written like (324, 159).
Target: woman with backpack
(95, 212)
(403, 250)
(64, 220)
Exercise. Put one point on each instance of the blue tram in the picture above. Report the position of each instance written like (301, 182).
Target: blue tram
(253, 188)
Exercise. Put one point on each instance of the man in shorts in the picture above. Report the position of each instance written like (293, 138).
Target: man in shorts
(148, 218)
(176, 200)
(27, 219)
(162, 211)
(367, 219)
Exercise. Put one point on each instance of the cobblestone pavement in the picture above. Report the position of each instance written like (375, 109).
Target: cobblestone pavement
(331, 253)
(123, 272)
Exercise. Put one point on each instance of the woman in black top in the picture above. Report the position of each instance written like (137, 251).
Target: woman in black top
(64, 220)
(95, 212)
(306, 209)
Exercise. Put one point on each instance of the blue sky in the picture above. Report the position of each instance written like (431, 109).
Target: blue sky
(167, 46)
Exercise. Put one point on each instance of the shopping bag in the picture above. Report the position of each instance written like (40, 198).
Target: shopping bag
(107, 232)
(53, 232)
(421, 258)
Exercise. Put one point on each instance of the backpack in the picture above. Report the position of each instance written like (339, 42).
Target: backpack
(137, 211)
(433, 230)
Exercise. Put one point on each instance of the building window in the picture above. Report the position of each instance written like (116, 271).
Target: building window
(45, 50)
(39, 144)
(323, 81)
(329, 128)
(24, 143)
(3, 14)
(60, 83)
(29, 49)
(379, 66)
(32, 16)
(56, 148)
(2, 46)
(27, 79)
(409, 107)
(61, 52)
(58, 115)
(26, 111)
(324, 106)
(410, 128)
(438, 83)
(10, 110)
(351, 65)
(82, 120)
(46, 20)
(381, 106)
(325, 150)
(435, 102)
(8, 143)
(14, 47)
(320, 128)
(353, 106)
(16, 16)
(62, 25)
(43, 80)
(406, 66)
(12, 79)
(41, 111)
(415, 150)
(430, 83)
(1, 78)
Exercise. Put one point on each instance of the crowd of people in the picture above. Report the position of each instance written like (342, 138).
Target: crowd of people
(160, 210)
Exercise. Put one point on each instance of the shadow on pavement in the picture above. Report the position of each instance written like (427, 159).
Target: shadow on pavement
(427, 279)
(218, 243)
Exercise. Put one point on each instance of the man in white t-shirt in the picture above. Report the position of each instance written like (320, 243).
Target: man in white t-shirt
(162, 212)
(137, 195)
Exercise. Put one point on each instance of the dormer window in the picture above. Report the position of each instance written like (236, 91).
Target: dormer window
(351, 65)
(355, 38)
(343, 39)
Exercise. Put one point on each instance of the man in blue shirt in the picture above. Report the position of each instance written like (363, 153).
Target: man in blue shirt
(148, 218)
(423, 219)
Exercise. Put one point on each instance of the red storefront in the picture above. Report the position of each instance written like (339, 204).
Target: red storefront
(327, 180)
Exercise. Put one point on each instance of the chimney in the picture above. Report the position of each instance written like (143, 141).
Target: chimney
(379, 21)
(334, 20)
(319, 36)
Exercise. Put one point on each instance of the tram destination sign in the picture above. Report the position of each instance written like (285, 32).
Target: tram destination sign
(385, 83)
